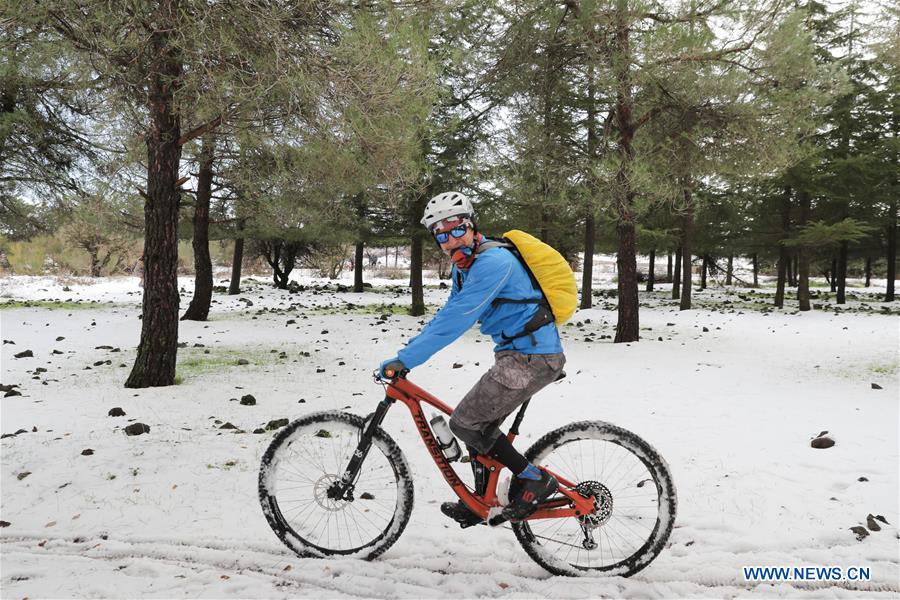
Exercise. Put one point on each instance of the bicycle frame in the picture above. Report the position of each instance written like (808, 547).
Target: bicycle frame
(401, 389)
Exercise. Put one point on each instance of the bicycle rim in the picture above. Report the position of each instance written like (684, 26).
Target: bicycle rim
(302, 463)
(634, 513)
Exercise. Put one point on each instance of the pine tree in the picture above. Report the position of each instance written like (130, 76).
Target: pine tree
(159, 59)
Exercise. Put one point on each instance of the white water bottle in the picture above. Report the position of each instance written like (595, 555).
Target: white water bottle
(446, 440)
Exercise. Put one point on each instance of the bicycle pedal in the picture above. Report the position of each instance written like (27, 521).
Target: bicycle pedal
(495, 516)
(460, 513)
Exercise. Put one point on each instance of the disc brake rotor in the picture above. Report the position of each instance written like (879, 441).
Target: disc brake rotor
(603, 503)
(320, 492)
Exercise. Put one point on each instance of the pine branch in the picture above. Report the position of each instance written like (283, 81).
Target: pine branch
(200, 130)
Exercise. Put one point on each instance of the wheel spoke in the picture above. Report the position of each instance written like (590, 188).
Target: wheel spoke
(301, 466)
(607, 463)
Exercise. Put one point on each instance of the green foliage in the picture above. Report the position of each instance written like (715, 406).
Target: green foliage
(48, 101)
(821, 234)
(44, 254)
(95, 226)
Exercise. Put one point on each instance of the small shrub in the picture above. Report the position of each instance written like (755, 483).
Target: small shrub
(392, 273)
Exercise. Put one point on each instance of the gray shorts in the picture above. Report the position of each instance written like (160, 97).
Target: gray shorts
(514, 378)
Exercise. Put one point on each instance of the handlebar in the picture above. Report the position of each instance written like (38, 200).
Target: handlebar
(391, 375)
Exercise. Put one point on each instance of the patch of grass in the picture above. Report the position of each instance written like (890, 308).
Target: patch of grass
(194, 362)
(888, 368)
(53, 304)
(370, 309)
(226, 465)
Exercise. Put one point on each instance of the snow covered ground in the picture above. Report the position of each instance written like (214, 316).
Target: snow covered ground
(730, 394)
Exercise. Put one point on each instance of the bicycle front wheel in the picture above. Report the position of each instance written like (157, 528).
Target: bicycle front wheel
(634, 507)
(309, 455)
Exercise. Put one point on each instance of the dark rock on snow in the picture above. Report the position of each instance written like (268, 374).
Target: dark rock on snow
(87, 452)
(872, 524)
(248, 400)
(822, 442)
(276, 424)
(116, 412)
(861, 532)
(24, 354)
(137, 429)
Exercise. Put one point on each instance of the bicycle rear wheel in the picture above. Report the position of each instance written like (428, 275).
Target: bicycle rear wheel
(634, 508)
(310, 454)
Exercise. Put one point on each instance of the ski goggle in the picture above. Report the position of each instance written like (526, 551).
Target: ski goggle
(457, 232)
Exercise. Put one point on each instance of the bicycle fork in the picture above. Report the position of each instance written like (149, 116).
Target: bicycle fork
(342, 489)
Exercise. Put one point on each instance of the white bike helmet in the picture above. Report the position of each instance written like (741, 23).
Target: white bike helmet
(447, 205)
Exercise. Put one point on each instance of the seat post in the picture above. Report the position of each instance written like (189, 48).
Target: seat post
(518, 420)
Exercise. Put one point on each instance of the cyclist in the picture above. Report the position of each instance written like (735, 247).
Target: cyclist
(491, 287)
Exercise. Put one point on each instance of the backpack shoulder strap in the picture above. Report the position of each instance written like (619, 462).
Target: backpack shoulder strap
(492, 243)
(487, 244)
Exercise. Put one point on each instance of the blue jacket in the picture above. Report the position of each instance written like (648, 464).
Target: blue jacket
(496, 273)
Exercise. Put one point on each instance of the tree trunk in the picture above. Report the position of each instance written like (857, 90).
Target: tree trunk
(588, 269)
(676, 276)
(276, 255)
(704, 269)
(686, 239)
(891, 252)
(94, 252)
(237, 261)
(729, 270)
(358, 267)
(360, 206)
(755, 270)
(842, 274)
(198, 310)
(803, 257)
(628, 326)
(783, 255)
(668, 266)
(417, 307)
(651, 275)
(782, 277)
(154, 364)
(796, 264)
(868, 271)
(790, 271)
(285, 264)
(834, 270)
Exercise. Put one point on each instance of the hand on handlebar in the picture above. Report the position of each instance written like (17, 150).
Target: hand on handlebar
(391, 368)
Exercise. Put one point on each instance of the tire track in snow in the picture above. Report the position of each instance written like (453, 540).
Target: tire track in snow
(235, 558)
(389, 577)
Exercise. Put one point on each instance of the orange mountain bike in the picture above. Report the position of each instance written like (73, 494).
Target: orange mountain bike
(335, 484)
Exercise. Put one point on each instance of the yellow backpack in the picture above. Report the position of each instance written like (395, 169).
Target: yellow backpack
(551, 272)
